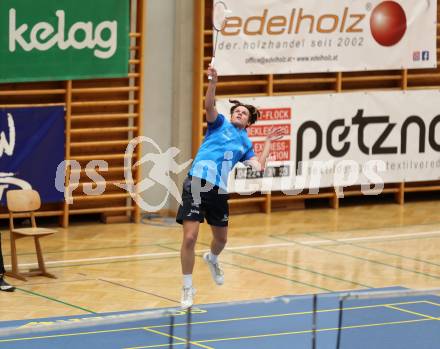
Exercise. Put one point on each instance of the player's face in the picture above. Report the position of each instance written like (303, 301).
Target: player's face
(240, 117)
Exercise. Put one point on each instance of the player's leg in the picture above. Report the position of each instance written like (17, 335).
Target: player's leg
(4, 286)
(187, 259)
(190, 216)
(219, 239)
(187, 254)
(218, 243)
(217, 216)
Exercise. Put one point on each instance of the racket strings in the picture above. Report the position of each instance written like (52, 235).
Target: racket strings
(219, 16)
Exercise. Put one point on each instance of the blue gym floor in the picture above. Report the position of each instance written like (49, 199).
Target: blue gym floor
(392, 323)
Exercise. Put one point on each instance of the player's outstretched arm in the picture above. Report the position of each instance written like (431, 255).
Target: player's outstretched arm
(211, 110)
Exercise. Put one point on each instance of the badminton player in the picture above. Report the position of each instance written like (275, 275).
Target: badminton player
(204, 193)
(4, 286)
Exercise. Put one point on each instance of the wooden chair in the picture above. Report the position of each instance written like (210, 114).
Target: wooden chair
(24, 203)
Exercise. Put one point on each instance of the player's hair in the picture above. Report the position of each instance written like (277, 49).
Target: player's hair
(254, 113)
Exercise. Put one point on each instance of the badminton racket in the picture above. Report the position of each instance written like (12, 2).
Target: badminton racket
(219, 17)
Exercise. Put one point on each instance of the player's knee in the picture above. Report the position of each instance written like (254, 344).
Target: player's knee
(189, 241)
(222, 239)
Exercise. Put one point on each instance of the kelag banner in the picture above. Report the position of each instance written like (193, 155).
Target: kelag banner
(32, 144)
(63, 39)
(356, 138)
(299, 36)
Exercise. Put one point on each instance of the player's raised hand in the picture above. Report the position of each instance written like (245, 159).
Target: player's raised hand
(274, 134)
(212, 74)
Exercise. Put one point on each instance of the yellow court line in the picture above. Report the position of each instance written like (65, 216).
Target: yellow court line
(425, 318)
(70, 334)
(285, 315)
(206, 322)
(309, 331)
(156, 346)
(412, 312)
(174, 337)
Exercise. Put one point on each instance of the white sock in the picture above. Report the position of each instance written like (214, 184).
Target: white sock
(187, 280)
(213, 257)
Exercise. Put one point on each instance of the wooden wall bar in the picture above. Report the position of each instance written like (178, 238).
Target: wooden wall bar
(102, 116)
(297, 84)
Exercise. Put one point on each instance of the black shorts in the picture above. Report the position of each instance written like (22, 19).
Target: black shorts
(212, 205)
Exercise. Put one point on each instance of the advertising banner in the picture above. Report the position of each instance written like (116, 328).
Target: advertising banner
(63, 39)
(32, 145)
(346, 139)
(303, 36)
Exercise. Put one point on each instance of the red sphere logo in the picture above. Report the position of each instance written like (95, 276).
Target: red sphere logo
(388, 23)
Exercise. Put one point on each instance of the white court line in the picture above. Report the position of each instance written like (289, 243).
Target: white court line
(133, 256)
(327, 241)
(378, 237)
(234, 248)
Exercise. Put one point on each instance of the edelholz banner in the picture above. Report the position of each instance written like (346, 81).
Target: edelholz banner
(299, 36)
(32, 146)
(63, 39)
(333, 140)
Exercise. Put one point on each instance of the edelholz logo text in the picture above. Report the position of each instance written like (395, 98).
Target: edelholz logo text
(298, 20)
(81, 35)
(388, 23)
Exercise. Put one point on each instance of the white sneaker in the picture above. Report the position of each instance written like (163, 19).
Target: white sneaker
(216, 271)
(187, 299)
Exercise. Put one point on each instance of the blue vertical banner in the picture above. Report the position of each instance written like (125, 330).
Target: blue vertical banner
(32, 145)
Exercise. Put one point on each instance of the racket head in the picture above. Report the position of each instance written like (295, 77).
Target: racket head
(219, 15)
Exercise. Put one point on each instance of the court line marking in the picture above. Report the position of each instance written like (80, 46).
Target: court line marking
(364, 238)
(53, 282)
(263, 272)
(373, 261)
(411, 236)
(174, 337)
(231, 248)
(88, 249)
(208, 322)
(346, 243)
(138, 290)
(306, 331)
(392, 236)
(309, 331)
(158, 346)
(287, 314)
(276, 276)
(71, 334)
(295, 267)
(55, 300)
(198, 343)
(433, 303)
(112, 262)
(369, 229)
(128, 257)
(412, 312)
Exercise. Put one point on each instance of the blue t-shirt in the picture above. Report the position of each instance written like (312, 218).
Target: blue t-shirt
(224, 145)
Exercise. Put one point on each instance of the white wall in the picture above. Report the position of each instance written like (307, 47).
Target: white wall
(168, 83)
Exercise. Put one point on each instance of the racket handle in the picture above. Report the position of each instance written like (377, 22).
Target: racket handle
(211, 64)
